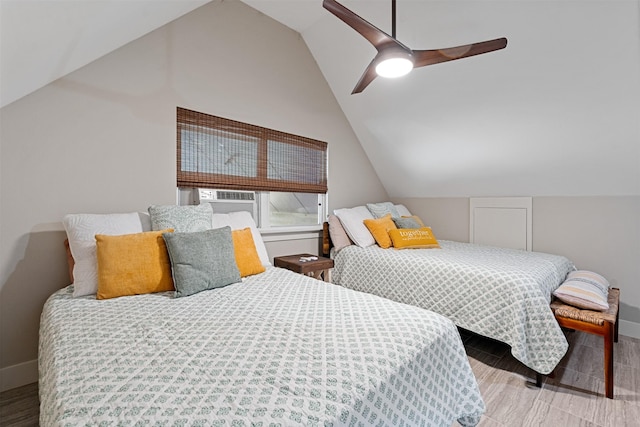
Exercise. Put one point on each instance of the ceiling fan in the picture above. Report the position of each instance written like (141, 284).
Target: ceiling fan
(394, 59)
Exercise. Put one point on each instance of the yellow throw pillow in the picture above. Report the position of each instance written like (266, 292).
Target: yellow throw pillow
(379, 228)
(132, 264)
(413, 238)
(246, 253)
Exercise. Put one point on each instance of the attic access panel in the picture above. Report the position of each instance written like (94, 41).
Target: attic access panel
(501, 221)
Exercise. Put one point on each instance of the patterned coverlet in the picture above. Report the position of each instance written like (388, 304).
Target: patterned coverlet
(278, 349)
(499, 293)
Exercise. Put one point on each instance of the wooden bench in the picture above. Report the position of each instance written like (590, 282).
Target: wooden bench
(603, 323)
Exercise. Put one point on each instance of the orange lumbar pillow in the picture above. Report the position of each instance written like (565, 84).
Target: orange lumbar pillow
(413, 238)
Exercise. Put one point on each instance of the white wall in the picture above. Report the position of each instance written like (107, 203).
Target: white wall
(102, 139)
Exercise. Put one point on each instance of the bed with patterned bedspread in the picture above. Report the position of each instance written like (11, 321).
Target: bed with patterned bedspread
(496, 292)
(278, 348)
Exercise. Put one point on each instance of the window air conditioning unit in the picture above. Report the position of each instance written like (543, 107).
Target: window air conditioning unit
(225, 201)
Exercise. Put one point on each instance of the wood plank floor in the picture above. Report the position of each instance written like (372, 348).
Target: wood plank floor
(575, 397)
(20, 406)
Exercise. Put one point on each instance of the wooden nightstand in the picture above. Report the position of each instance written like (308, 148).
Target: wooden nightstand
(318, 269)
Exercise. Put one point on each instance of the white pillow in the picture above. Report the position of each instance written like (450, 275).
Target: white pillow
(352, 222)
(81, 232)
(402, 210)
(238, 221)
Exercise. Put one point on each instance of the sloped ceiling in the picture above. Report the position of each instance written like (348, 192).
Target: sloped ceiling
(43, 40)
(555, 113)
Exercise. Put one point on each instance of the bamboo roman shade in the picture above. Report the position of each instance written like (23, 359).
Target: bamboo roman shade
(221, 153)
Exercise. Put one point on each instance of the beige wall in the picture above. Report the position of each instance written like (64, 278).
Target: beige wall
(102, 139)
(597, 233)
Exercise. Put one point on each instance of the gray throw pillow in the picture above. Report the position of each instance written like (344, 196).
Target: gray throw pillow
(406, 223)
(202, 260)
(183, 219)
(378, 210)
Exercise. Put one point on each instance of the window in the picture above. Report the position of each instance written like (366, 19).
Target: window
(288, 172)
(291, 209)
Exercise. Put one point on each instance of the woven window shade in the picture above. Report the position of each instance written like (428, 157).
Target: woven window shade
(217, 152)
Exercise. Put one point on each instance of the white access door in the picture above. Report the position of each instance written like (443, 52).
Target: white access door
(501, 221)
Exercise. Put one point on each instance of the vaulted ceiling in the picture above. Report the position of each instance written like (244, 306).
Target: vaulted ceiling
(555, 113)
(43, 40)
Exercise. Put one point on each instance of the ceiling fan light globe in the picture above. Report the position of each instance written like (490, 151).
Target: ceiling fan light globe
(394, 67)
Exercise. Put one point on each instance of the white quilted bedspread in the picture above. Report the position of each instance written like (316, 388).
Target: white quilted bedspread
(499, 293)
(279, 349)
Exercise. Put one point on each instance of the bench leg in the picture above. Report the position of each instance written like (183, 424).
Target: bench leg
(609, 338)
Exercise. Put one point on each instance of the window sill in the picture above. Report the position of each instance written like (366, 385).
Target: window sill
(290, 233)
(282, 230)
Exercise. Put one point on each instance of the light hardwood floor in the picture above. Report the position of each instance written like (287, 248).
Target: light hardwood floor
(573, 398)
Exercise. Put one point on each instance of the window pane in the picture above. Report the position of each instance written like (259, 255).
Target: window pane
(293, 209)
(294, 163)
(218, 152)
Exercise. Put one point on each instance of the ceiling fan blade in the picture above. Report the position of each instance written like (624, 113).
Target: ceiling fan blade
(367, 77)
(373, 34)
(429, 57)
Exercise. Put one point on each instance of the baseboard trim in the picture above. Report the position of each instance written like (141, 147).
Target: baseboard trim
(18, 375)
(629, 329)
